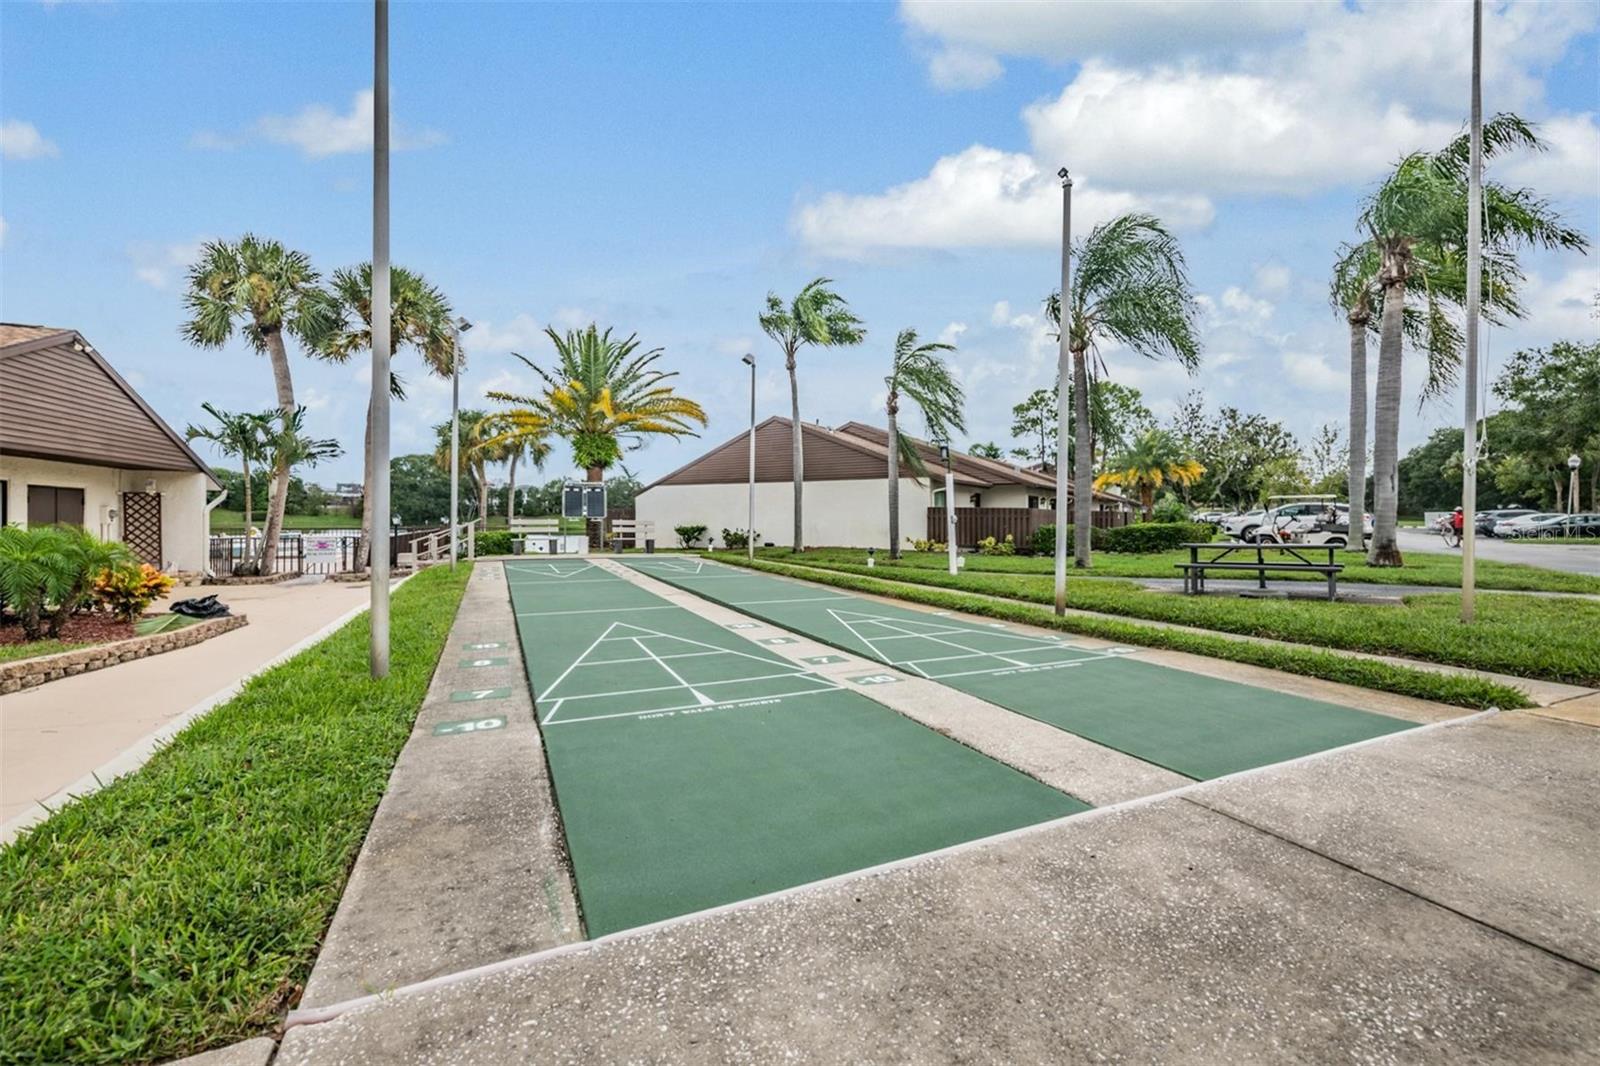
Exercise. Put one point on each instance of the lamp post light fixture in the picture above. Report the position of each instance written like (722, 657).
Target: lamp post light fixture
(750, 528)
(382, 318)
(949, 505)
(460, 326)
(1573, 462)
(1063, 395)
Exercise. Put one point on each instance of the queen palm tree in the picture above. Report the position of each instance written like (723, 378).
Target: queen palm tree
(420, 320)
(242, 436)
(816, 316)
(1131, 287)
(603, 395)
(1416, 222)
(264, 289)
(509, 450)
(1154, 459)
(472, 458)
(920, 374)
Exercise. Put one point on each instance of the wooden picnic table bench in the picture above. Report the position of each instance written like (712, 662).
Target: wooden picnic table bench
(1232, 555)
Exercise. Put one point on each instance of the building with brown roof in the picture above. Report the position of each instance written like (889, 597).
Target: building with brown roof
(846, 498)
(79, 445)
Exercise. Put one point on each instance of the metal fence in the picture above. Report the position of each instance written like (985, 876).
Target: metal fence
(333, 552)
(1019, 523)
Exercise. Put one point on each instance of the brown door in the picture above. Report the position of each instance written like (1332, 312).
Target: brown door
(141, 525)
(48, 505)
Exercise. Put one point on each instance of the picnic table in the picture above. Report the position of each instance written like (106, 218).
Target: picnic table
(1233, 555)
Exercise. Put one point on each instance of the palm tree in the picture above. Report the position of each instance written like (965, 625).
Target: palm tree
(471, 457)
(1416, 223)
(1154, 459)
(603, 395)
(1132, 287)
(509, 450)
(420, 320)
(817, 316)
(921, 374)
(264, 289)
(242, 436)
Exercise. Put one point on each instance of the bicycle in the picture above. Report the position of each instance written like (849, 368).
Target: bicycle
(1448, 532)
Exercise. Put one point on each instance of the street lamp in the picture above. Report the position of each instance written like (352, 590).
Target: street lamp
(750, 529)
(378, 503)
(949, 505)
(461, 325)
(1062, 394)
(1573, 462)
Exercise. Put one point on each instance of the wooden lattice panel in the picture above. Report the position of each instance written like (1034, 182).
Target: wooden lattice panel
(141, 525)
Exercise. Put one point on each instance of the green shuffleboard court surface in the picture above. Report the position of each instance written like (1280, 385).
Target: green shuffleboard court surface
(1198, 726)
(694, 768)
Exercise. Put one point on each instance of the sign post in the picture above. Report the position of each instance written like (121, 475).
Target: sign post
(949, 506)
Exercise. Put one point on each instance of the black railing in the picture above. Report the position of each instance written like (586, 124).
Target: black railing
(306, 553)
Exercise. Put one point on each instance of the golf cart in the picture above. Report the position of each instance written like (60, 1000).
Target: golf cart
(1308, 520)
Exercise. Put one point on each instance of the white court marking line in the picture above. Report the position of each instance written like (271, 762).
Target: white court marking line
(595, 610)
(827, 686)
(647, 658)
(549, 570)
(696, 693)
(796, 599)
(698, 707)
(936, 640)
(580, 581)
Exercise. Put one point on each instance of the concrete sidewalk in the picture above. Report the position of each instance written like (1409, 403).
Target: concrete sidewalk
(1342, 908)
(53, 735)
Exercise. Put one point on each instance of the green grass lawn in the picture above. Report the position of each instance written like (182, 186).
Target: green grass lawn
(1422, 568)
(182, 906)
(1542, 637)
(225, 521)
(10, 653)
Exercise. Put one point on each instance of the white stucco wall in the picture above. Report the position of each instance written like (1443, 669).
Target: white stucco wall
(183, 497)
(837, 513)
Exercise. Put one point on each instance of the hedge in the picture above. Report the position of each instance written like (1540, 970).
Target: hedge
(1139, 538)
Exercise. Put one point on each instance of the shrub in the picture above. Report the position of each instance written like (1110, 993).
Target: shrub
(688, 534)
(1170, 509)
(126, 592)
(990, 546)
(494, 542)
(922, 544)
(734, 539)
(1145, 537)
(47, 572)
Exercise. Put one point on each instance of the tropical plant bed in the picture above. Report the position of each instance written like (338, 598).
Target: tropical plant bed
(181, 907)
(1544, 637)
(49, 660)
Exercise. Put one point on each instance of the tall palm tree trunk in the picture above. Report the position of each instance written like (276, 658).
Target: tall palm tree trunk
(1083, 462)
(798, 457)
(1357, 484)
(249, 502)
(267, 560)
(894, 478)
(511, 488)
(1385, 550)
(368, 475)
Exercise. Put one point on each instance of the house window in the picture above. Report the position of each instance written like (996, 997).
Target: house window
(48, 505)
(976, 499)
(5, 492)
(1033, 501)
(938, 497)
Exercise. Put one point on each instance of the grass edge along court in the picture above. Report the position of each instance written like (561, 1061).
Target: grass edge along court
(692, 768)
(1198, 726)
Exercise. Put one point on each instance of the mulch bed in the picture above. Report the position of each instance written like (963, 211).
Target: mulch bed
(78, 629)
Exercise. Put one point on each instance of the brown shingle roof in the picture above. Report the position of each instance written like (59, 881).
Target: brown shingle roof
(13, 333)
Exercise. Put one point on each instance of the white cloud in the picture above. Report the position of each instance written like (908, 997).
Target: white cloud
(1272, 278)
(1242, 303)
(1313, 372)
(159, 265)
(981, 197)
(961, 68)
(2, 231)
(1561, 307)
(22, 140)
(1570, 165)
(951, 334)
(519, 334)
(318, 130)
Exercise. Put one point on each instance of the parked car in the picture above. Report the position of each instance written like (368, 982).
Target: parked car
(1485, 521)
(1568, 525)
(1310, 522)
(1213, 517)
(1522, 525)
(1241, 525)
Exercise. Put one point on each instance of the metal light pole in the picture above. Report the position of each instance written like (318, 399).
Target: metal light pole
(1062, 392)
(461, 325)
(949, 505)
(750, 531)
(1469, 440)
(381, 314)
(1573, 462)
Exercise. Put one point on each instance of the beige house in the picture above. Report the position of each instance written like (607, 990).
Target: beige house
(846, 491)
(79, 445)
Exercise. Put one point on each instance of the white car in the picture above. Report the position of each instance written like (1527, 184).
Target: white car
(1241, 526)
(1523, 525)
(1310, 523)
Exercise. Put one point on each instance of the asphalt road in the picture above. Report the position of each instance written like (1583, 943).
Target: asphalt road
(1572, 558)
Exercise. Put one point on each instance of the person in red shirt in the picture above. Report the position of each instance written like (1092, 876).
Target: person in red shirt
(1458, 521)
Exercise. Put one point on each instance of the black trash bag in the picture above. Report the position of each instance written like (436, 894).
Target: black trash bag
(204, 607)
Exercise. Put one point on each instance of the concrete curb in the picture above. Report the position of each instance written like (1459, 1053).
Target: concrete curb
(140, 752)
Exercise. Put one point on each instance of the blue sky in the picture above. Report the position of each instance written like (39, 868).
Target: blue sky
(658, 168)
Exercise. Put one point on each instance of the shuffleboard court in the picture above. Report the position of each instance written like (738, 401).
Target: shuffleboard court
(693, 768)
(1201, 727)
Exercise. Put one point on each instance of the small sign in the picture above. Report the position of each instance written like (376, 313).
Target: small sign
(743, 625)
(490, 646)
(777, 640)
(472, 725)
(473, 695)
(875, 679)
(474, 663)
(823, 660)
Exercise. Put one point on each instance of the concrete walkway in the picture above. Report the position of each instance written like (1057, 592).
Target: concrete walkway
(54, 735)
(1426, 897)
(1572, 558)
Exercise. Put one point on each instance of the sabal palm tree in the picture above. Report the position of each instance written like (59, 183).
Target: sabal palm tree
(265, 290)
(603, 395)
(1154, 459)
(470, 457)
(420, 320)
(920, 374)
(1131, 286)
(509, 450)
(242, 436)
(1416, 222)
(816, 316)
